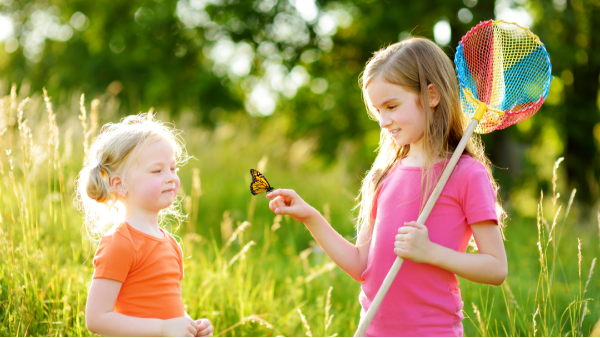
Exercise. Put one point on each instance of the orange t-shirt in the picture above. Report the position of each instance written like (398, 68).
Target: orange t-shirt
(150, 268)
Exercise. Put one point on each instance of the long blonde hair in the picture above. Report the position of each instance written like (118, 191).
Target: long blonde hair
(414, 63)
(112, 153)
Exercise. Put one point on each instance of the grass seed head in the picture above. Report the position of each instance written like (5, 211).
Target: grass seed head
(590, 275)
(196, 187)
(534, 323)
(479, 320)
(262, 164)
(94, 118)
(240, 255)
(226, 227)
(13, 104)
(259, 320)
(554, 177)
(83, 119)
(308, 331)
(328, 318)
(579, 255)
(240, 229)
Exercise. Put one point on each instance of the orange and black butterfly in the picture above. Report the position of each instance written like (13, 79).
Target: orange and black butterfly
(259, 183)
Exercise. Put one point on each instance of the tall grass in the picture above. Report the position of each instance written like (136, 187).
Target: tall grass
(558, 302)
(251, 272)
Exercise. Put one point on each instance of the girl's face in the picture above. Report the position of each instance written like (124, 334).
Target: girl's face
(152, 182)
(399, 113)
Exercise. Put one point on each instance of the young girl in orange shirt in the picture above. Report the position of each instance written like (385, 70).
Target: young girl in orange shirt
(127, 186)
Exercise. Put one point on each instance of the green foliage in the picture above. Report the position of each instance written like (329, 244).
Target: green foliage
(223, 57)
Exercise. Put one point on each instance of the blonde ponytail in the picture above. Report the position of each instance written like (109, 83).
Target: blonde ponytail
(98, 186)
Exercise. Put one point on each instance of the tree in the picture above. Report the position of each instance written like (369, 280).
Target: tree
(301, 61)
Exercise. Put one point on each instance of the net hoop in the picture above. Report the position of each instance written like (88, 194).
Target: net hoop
(505, 66)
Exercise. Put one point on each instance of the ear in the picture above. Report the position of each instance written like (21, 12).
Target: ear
(434, 95)
(116, 185)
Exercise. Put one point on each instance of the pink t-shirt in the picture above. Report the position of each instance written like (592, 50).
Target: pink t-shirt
(423, 300)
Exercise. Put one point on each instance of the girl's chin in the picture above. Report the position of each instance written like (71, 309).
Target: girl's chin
(164, 202)
(168, 201)
(400, 143)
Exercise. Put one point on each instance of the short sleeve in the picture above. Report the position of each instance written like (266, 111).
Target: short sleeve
(114, 258)
(478, 197)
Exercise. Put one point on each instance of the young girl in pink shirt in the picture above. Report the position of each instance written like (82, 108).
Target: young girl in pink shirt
(411, 89)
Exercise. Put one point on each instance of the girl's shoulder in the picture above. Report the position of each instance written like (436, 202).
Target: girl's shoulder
(116, 252)
(472, 180)
(117, 239)
(175, 242)
(467, 166)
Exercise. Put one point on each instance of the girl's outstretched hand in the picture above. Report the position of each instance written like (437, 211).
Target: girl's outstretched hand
(288, 202)
(412, 242)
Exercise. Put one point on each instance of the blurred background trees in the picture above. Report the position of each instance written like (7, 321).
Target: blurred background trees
(298, 62)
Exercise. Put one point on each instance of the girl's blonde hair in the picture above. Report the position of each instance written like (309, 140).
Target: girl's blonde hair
(414, 63)
(112, 153)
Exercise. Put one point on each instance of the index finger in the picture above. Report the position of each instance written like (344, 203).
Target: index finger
(414, 224)
(404, 230)
(279, 192)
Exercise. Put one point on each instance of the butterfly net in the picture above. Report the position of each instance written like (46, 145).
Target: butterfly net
(506, 67)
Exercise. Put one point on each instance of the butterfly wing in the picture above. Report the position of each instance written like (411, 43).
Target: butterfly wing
(259, 183)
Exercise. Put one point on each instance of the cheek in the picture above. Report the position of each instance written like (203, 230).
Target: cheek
(412, 116)
(152, 186)
(404, 118)
(177, 183)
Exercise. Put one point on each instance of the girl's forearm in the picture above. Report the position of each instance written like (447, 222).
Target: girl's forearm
(479, 268)
(114, 324)
(345, 254)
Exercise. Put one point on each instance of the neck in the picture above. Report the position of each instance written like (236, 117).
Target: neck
(415, 155)
(142, 220)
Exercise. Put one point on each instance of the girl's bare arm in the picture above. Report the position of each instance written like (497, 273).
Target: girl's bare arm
(489, 266)
(102, 320)
(349, 257)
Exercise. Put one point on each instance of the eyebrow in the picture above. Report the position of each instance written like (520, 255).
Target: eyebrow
(160, 163)
(387, 101)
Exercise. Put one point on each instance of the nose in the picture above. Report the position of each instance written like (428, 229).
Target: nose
(384, 121)
(172, 177)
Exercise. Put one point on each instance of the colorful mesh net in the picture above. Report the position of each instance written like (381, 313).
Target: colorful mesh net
(506, 67)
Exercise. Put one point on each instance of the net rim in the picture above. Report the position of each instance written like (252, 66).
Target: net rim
(536, 104)
(496, 22)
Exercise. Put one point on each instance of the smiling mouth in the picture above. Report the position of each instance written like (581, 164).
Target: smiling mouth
(394, 132)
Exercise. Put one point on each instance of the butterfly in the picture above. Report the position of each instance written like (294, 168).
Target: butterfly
(259, 183)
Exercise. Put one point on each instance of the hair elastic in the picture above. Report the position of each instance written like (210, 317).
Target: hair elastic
(99, 166)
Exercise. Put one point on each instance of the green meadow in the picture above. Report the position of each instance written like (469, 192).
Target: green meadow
(252, 273)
